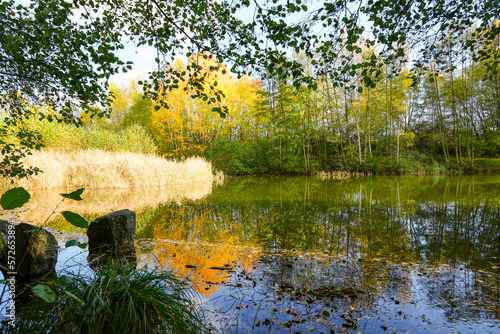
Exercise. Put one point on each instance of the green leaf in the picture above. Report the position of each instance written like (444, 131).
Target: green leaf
(82, 246)
(71, 243)
(74, 297)
(45, 293)
(74, 195)
(39, 16)
(75, 219)
(14, 198)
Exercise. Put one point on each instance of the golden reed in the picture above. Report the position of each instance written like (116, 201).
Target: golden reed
(102, 169)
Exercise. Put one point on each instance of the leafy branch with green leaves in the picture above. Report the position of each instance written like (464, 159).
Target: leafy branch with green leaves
(59, 55)
(16, 198)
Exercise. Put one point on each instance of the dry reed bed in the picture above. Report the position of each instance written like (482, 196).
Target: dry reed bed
(112, 181)
(101, 169)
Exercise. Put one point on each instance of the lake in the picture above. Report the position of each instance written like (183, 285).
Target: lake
(411, 254)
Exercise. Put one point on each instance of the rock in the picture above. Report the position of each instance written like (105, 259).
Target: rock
(112, 230)
(35, 250)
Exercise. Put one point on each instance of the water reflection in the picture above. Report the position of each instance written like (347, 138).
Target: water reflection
(98, 202)
(422, 247)
(375, 254)
(452, 220)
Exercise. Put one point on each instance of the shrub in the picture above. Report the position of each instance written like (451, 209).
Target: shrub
(60, 136)
(241, 158)
(68, 138)
(137, 139)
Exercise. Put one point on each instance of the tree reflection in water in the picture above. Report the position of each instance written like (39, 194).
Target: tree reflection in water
(277, 254)
(403, 250)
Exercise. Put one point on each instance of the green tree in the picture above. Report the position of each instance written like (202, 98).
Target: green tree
(48, 58)
(140, 112)
(61, 53)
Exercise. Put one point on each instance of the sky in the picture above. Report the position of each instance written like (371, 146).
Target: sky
(144, 57)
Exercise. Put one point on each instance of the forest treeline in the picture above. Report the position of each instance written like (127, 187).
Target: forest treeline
(436, 118)
(376, 86)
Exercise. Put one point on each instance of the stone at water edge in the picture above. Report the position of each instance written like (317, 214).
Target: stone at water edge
(112, 230)
(40, 247)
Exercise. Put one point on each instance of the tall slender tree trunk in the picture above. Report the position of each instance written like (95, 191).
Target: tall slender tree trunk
(496, 81)
(397, 152)
(358, 130)
(368, 137)
(346, 117)
(440, 118)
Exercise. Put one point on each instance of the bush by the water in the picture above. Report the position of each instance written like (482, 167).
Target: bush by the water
(265, 156)
(261, 156)
(69, 138)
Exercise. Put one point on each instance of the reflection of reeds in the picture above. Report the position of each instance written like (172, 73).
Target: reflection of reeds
(101, 169)
(219, 177)
(103, 201)
(341, 175)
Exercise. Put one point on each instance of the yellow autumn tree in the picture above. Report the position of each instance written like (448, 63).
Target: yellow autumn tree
(122, 98)
(189, 126)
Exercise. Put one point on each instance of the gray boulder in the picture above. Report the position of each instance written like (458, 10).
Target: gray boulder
(35, 250)
(112, 230)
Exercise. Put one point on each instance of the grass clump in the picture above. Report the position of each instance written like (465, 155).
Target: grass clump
(117, 299)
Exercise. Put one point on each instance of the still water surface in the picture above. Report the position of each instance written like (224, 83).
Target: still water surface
(412, 254)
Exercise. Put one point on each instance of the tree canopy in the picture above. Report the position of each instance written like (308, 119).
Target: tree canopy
(50, 58)
(60, 54)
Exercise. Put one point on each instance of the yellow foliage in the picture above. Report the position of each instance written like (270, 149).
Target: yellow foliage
(122, 98)
(407, 139)
(189, 125)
